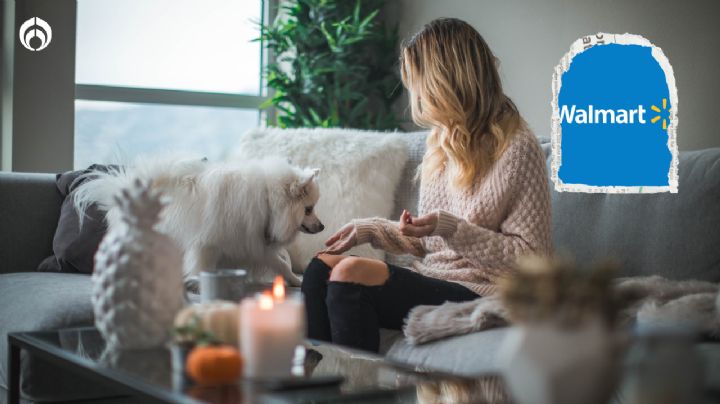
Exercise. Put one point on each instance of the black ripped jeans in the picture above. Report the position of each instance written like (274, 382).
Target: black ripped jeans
(352, 314)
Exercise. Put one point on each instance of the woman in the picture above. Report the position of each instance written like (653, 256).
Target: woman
(484, 199)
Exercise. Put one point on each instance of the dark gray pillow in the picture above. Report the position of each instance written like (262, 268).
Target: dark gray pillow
(74, 247)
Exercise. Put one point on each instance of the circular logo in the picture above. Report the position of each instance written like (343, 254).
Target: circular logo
(35, 34)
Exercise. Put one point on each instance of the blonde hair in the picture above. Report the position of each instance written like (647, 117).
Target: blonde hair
(455, 90)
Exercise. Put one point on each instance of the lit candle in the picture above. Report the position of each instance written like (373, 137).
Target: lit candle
(278, 289)
(272, 327)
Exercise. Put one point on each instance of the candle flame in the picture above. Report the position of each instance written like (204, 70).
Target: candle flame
(265, 301)
(278, 289)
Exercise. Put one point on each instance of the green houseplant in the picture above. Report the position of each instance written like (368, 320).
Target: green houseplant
(336, 65)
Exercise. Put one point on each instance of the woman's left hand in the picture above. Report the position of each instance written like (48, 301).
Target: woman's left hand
(417, 226)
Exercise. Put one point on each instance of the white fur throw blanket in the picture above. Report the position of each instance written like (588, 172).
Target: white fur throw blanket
(646, 300)
(359, 171)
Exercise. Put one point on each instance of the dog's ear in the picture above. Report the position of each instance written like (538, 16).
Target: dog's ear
(299, 186)
(310, 175)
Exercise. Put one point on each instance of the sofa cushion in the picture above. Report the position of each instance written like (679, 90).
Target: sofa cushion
(44, 301)
(468, 355)
(671, 235)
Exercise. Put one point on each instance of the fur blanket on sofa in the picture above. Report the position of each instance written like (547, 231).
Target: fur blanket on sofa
(650, 300)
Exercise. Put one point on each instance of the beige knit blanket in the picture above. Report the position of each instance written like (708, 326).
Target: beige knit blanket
(650, 300)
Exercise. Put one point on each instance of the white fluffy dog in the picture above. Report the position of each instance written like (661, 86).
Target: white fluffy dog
(244, 213)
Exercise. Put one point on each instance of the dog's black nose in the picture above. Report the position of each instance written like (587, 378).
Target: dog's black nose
(322, 227)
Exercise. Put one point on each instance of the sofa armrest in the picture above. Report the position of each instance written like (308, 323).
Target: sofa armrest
(29, 212)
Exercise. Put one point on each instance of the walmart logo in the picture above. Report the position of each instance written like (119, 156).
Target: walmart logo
(611, 116)
(614, 118)
(593, 115)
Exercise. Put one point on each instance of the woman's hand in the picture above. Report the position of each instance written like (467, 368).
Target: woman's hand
(343, 240)
(417, 226)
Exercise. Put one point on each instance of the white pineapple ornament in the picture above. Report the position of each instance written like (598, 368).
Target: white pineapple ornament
(137, 281)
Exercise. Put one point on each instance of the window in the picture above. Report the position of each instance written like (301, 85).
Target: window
(116, 132)
(165, 75)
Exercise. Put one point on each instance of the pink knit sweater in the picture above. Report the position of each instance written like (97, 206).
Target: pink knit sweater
(481, 231)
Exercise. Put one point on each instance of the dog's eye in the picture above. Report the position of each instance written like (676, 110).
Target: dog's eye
(308, 210)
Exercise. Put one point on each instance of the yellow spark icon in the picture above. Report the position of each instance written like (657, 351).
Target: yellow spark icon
(657, 118)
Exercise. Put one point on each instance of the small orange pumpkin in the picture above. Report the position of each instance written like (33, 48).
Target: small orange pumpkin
(219, 364)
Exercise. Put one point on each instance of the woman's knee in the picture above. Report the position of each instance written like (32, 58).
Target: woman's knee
(360, 270)
(330, 259)
(316, 275)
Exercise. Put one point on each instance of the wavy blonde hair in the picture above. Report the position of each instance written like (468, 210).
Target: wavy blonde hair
(454, 85)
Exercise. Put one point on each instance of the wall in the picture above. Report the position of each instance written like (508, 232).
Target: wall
(44, 91)
(7, 50)
(530, 37)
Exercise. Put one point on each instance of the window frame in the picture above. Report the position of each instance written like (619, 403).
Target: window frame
(144, 95)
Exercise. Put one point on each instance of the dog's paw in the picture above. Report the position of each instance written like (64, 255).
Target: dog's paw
(294, 280)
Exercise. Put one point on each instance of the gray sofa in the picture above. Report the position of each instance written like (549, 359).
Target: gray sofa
(673, 235)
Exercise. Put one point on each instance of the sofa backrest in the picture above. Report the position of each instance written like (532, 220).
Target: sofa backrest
(29, 212)
(673, 235)
(406, 194)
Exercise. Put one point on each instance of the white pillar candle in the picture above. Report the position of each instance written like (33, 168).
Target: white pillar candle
(272, 326)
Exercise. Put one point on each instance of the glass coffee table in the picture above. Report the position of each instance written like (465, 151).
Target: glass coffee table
(330, 374)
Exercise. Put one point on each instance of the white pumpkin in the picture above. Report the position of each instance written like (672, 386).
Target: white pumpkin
(220, 318)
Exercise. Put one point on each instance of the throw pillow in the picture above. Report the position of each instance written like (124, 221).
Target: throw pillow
(74, 247)
(359, 172)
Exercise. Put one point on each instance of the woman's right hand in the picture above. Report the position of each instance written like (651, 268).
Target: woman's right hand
(417, 226)
(343, 240)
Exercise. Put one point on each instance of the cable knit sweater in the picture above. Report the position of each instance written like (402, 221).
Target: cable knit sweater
(481, 231)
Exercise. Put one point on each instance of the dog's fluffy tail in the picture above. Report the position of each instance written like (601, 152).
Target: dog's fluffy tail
(99, 190)
(102, 189)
